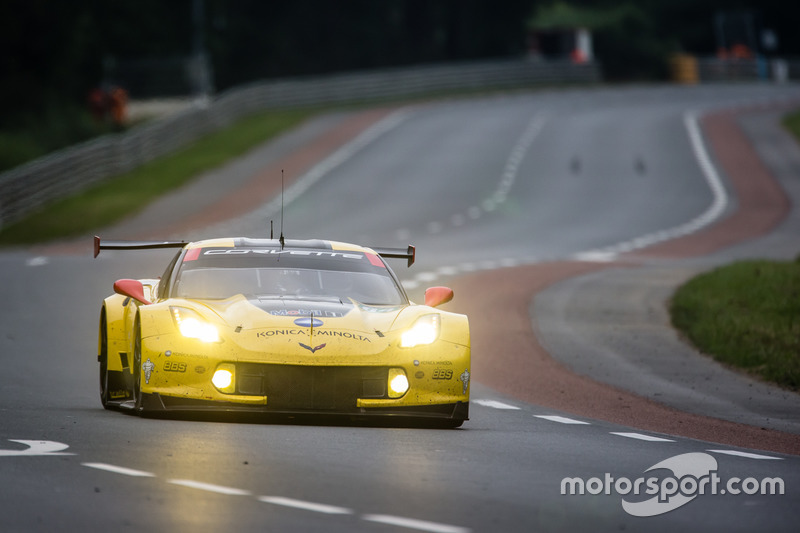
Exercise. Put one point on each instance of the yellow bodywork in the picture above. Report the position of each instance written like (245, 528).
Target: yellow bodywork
(364, 337)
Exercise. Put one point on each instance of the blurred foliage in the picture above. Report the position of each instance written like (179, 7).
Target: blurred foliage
(111, 201)
(53, 53)
(622, 36)
(36, 133)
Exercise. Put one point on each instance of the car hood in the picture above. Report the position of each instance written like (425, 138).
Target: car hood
(293, 329)
(265, 313)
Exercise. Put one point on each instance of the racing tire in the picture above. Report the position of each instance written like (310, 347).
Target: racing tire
(137, 369)
(102, 358)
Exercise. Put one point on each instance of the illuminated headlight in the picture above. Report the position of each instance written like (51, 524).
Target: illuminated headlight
(424, 331)
(193, 326)
(225, 378)
(398, 382)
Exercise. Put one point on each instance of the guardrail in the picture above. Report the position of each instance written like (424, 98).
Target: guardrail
(712, 69)
(31, 186)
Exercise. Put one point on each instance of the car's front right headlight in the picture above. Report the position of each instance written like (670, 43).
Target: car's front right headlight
(194, 326)
(425, 330)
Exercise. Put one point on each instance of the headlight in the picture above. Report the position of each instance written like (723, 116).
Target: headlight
(225, 378)
(398, 382)
(193, 326)
(424, 331)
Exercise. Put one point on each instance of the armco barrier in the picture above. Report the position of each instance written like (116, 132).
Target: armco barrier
(66, 172)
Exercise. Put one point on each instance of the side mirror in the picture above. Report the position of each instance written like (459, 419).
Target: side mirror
(131, 288)
(435, 296)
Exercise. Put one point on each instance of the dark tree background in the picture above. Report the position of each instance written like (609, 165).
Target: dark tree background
(53, 52)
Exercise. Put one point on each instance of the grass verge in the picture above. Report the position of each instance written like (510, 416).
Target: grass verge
(746, 314)
(109, 202)
(792, 123)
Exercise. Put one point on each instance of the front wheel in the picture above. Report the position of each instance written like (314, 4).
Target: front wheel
(102, 358)
(137, 368)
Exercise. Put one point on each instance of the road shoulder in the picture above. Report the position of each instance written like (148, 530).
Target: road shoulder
(599, 343)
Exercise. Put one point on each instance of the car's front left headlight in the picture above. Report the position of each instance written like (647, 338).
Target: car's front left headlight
(194, 326)
(425, 330)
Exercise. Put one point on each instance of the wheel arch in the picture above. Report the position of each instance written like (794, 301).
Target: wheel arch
(113, 311)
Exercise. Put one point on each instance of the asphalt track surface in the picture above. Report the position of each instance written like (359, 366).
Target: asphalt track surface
(558, 217)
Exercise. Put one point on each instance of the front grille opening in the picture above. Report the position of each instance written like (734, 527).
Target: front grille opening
(311, 387)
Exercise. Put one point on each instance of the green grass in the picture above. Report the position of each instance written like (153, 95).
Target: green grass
(32, 135)
(792, 123)
(747, 315)
(109, 202)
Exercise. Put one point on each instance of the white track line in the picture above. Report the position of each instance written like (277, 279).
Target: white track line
(641, 436)
(37, 261)
(306, 506)
(562, 419)
(747, 455)
(421, 525)
(494, 404)
(119, 470)
(717, 207)
(304, 182)
(208, 487)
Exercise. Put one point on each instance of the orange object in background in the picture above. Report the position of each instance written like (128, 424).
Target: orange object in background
(118, 98)
(98, 104)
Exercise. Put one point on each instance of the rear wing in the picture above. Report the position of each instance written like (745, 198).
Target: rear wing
(409, 253)
(134, 245)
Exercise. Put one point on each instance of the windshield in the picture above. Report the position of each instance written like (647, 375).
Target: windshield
(216, 273)
(220, 283)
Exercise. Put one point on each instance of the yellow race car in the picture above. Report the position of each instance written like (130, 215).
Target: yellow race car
(282, 326)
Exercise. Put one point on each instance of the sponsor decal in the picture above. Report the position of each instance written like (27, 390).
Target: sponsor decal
(200, 369)
(419, 375)
(147, 368)
(441, 373)
(279, 333)
(344, 334)
(322, 333)
(174, 366)
(192, 255)
(255, 251)
(308, 322)
(681, 479)
(464, 377)
(309, 348)
(306, 312)
(185, 355)
(439, 363)
(374, 260)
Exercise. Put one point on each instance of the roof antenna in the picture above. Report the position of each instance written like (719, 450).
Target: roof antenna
(281, 237)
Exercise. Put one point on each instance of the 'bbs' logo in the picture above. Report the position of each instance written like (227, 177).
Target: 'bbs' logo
(174, 366)
(441, 373)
